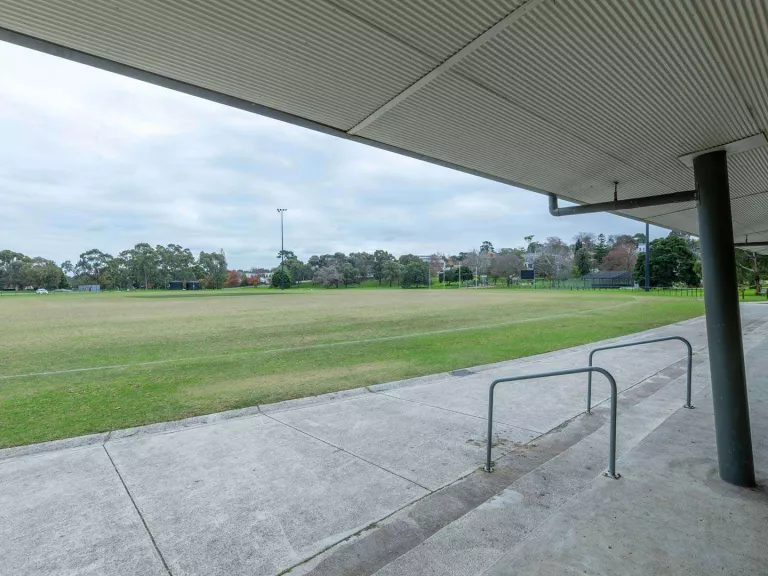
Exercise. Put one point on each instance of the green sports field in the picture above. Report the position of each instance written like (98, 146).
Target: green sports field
(74, 364)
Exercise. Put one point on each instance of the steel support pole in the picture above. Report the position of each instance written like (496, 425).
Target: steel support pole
(721, 298)
(647, 257)
(282, 250)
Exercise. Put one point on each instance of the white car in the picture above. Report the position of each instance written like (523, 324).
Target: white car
(41, 291)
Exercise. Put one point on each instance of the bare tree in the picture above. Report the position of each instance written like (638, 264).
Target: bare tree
(587, 239)
(553, 259)
(622, 257)
(505, 266)
(328, 276)
(436, 263)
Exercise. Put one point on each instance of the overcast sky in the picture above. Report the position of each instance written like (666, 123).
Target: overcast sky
(90, 159)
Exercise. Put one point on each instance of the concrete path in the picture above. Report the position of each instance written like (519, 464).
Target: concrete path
(262, 490)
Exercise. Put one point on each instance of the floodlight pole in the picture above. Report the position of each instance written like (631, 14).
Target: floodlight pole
(282, 250)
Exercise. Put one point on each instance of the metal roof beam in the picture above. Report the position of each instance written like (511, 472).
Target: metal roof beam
(629, 204)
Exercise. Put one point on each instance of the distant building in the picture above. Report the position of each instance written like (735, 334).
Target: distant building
(89, 288)
(529, 258)
(193, 285)
(262, 274)
(612, 279)
(175, 285)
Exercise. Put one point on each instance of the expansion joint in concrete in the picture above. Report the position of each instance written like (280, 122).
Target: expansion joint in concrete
(141, 516)
(340, 449)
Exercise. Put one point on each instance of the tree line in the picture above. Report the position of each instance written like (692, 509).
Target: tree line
(674, 261)
(339, 269)
(142, 266)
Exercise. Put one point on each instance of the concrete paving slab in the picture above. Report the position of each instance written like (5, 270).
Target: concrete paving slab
(251, 496)
(67, 512)
(545, 403)
(650, 525)
(427, 445)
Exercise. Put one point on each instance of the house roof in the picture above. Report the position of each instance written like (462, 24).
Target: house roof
(551, 96)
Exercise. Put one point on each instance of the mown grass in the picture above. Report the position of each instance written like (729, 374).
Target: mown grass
(213, 352)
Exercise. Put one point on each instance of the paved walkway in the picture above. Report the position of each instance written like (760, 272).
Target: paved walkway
(262, 490)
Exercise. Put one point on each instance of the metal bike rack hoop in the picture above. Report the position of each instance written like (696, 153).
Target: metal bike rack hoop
(611, 473)
(638, 343)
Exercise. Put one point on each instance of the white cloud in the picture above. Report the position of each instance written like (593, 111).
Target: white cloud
(93, 159)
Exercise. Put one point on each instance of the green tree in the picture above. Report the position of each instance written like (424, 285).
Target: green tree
(406, 259)
(392, 272)
(750, 268)
(214, 268)
(380, 259)
(142, 263)
(349, 274)
(11, 264)
(582, 263)
(298, 271)
(459, 273)
(280, 278)
(67, 267)
(415, 274)
(41, 273)
(363, 264)
(601, 249)
(118, 272)
(530, 244)
(672, 262)
(486, 248)
(93, 267)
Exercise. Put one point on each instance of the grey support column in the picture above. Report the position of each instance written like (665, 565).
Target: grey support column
(647, 257)
(726, 353)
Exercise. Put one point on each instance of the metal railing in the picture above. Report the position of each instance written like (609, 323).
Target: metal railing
(611, 473)
(638, 343)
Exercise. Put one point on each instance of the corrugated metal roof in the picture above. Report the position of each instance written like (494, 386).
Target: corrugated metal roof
(435, 27)
(622, 79)
(306, 58)
(555, 96)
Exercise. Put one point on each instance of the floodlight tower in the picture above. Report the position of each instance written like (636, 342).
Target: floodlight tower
(282, 250)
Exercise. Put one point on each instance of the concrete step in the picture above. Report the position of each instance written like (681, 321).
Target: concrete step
(466, 526)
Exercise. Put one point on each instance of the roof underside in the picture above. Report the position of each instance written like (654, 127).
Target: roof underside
(552, 96)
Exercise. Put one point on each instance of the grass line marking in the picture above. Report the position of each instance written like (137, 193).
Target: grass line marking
(322, 345)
